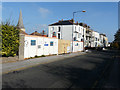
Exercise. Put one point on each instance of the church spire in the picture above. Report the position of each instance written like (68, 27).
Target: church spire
(20, 22)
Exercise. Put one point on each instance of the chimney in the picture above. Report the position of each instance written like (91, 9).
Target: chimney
(43, 32)
(62, 19)
(77, 22)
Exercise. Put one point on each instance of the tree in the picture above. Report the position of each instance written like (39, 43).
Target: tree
(116, 45)
(0, 41)
(117, 39)
(10, 39)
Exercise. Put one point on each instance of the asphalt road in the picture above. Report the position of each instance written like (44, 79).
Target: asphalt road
(84, 71)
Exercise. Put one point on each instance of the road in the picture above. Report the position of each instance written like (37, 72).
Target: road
(84, 71)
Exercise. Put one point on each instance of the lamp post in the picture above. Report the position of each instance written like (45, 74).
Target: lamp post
(73, 27)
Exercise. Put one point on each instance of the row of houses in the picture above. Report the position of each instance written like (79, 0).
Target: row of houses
(64, 36)
(69, 30)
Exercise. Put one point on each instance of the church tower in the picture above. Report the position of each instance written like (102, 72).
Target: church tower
(20, 22)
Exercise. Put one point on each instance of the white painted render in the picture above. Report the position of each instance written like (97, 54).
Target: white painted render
(78, 32)
(66, 31)
(77, 46)
(96, 39)
(40, 48)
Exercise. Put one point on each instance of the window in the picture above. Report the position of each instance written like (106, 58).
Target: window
(52, 28)
(77, 44)
(96, 44)
(39, 46)
(86, 38)
(58, 35)
(59, 29)
(51, 43)
(33, 42)
(81, 39)
(74, 38)
(96, 39)
(54, 33)
(79, 35)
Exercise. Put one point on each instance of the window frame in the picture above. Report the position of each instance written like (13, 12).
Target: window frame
(33, 42)
(52, 43)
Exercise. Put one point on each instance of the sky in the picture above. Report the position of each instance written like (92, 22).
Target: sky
(100, 16)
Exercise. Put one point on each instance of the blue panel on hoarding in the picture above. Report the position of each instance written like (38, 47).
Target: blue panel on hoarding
(45, 44)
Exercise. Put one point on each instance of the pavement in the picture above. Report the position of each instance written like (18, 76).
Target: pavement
(81, 71)
(20, 65)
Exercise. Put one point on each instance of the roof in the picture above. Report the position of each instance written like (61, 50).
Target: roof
(20, 21)
(36, 33)
(84, 25)
(69, 22)
(63, 22)
(22, 32)
(103, 34)
(40, 36)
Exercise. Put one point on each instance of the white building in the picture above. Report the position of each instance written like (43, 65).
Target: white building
(95, 39)
(67, 30)
(39, 45)
(32, 45)
(103, 40)
(88, 41)
(64, 29)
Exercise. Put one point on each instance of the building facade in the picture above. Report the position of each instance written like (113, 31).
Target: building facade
(64, 36)
(69, 30)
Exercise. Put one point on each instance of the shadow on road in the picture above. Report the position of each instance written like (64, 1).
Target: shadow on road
(76, 72)
(83, 73)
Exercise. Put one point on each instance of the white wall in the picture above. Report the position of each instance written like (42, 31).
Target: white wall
(66, 31)
(31, 51)
(96, 35)
(77, 46)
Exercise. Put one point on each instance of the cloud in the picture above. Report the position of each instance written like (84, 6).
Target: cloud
(44, 12)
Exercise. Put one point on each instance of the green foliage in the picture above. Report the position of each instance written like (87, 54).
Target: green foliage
(37, 56)
(43, 56)
(0, 41)
(10, 40)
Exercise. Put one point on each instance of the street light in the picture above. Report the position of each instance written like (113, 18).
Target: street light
(72, 26)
